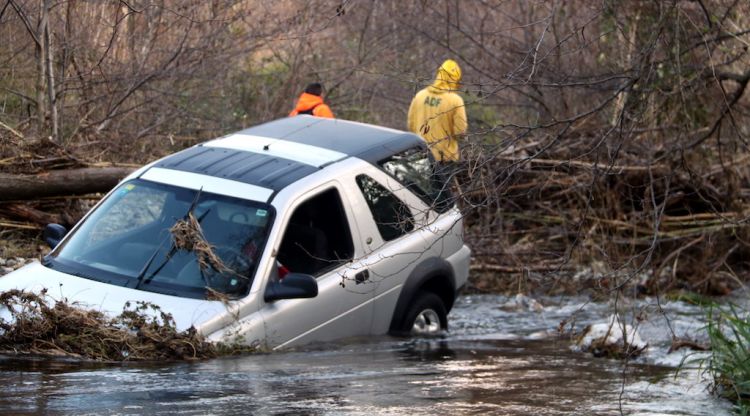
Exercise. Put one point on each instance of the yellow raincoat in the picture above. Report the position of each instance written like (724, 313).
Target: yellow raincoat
(438, 114)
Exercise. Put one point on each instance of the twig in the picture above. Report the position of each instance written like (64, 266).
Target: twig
(10, 129)
(518, 269)
(591, 166)
(19, 225)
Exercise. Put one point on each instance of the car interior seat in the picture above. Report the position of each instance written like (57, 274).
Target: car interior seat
(304, 249)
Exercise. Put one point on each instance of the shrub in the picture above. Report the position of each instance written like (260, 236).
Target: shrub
(729, 363)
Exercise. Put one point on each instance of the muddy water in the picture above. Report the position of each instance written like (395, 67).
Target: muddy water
(493, 361)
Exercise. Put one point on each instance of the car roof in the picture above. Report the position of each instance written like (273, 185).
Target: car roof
(276, 154)
(366, 141)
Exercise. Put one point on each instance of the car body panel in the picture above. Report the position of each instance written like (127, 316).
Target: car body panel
(335, 311)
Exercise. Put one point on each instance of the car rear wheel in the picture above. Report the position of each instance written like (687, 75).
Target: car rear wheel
(426, 316)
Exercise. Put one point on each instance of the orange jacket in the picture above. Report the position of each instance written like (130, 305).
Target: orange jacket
(308, 102)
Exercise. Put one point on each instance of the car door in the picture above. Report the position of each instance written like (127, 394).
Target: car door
(392, 224)
(320, 238)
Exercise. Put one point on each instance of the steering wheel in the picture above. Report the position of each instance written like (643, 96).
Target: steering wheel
(239, 266)
(230, 282)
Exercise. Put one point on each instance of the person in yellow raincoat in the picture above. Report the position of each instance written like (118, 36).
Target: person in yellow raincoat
(437, 113)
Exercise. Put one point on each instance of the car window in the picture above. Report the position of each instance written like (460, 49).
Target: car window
(168, 239)
(391, 215)
(317, 237)
(415, 169)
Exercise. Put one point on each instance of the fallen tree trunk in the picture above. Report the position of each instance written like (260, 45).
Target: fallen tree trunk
(60, 182)
(31, 214)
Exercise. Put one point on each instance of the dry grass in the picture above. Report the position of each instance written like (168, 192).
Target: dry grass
(17, 243)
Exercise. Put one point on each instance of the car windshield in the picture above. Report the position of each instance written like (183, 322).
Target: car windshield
(170, 240)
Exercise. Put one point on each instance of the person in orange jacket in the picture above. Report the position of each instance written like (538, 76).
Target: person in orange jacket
(311, 102)
(438, 114)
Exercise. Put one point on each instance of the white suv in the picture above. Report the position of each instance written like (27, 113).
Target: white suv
(317, 229)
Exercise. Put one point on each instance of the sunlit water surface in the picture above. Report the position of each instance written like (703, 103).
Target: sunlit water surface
(493, 361)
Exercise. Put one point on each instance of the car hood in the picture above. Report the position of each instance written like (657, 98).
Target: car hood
(108, 298)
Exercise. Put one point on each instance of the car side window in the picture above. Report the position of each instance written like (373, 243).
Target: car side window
(391, 215)
(415, 169)
(317, 238)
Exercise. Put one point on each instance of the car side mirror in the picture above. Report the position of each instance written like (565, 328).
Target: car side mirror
(53, 234)
(292, 286)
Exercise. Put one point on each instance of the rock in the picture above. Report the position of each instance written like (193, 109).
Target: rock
(2, 262)
(20, 261)
(10, 263)
(522, 303)
(610, 339)
(541, 335)
(5, 270)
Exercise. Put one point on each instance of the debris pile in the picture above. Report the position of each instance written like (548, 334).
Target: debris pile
(611, 339)
(563, 225)
(35, 324)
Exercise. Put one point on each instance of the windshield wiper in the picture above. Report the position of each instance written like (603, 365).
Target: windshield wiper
(141, 277)
(141, 274)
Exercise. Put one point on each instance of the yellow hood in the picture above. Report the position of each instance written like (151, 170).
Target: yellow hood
(448, 77)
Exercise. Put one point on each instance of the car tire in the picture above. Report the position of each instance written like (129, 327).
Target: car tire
(426, 316)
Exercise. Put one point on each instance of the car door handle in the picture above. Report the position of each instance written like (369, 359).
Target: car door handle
(362, 276)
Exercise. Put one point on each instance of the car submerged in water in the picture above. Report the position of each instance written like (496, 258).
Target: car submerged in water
(298, 230)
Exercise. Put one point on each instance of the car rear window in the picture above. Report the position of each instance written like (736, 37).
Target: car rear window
(416, 170)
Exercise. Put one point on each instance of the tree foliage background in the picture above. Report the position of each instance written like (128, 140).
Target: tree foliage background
(609, 137)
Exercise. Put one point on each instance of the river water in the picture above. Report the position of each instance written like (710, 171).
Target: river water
(496, 359)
